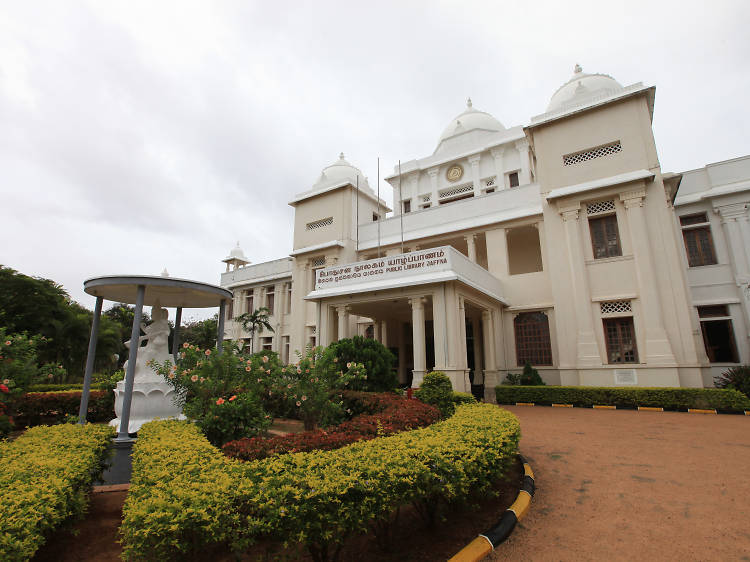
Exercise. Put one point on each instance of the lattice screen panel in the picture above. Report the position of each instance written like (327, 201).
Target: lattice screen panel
(615, 307)
(591, 154)
(426, 198)
(318, 262)
(600, 207)
(320, 223)
(490, 182)
(456, 191)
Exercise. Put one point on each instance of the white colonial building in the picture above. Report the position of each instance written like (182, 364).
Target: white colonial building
(561, 244)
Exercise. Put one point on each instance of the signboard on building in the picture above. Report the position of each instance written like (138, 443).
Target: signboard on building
(420, 262)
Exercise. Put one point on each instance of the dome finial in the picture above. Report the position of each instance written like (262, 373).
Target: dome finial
(468, 103)
(341, 156)
(577, 68)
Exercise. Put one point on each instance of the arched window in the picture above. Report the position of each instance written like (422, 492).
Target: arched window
(532, 339)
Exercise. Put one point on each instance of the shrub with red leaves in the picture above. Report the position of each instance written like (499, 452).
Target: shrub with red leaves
(34, 408)
(380, 414)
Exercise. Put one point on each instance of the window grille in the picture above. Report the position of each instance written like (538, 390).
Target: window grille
(619, 335)
(605, 237)
(452, 192)
(688, 220)
(318, 262)
(615, 307)
(490, 182)
(600, 207)
(699, 243)
(713, 311)
(320, 223)
(426, 198)
(532, 339)
(592, 153)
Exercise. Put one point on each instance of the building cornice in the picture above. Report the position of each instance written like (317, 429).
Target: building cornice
(316, 247)
(619, 179)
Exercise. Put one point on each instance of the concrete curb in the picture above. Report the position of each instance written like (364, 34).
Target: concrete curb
(639, 408)
(486, 542)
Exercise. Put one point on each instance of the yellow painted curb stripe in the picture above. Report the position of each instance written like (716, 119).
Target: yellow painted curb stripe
(527, 470)
(602, 407)
(700, 411)
(524, 403)
(562, 405)
(475, 551)
(649, 409)
(521, 505)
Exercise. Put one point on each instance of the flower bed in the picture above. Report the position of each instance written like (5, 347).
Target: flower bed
(34, 408)
(45, 476)
(383, 414)
(668, 398)
(187, 499)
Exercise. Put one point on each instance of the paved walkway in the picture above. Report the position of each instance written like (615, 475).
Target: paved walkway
(627, 485)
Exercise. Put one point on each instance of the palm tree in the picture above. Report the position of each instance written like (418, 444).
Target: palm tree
(255, 321)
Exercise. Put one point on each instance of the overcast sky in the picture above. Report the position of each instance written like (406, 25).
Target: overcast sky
(141, 135)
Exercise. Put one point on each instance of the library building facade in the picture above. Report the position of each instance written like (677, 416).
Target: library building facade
(560, 243)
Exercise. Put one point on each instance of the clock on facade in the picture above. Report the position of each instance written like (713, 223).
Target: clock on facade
(454, 173)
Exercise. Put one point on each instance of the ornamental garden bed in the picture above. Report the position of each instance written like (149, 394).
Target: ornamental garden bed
(188, 500)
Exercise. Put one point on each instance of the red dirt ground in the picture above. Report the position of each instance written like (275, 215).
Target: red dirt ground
(627, 485)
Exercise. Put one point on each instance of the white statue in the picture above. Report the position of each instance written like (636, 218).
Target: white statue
(156, 348)
(152, 396)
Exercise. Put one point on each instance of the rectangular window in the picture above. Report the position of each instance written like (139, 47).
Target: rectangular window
(269, 299)
(375, 217)
(230, 310)
(619, 335)
(605, 237)
(407, 206)
(266, 343)
(532, 339)
(288, 298)
(718, 334)
(696, 232)
(249, 301)
(285, 350)
(513, 179)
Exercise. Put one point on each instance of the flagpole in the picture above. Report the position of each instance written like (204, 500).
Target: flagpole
(401, 202)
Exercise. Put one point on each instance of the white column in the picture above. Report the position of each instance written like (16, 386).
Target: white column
(439, 324)
(490, 360)
(734, 220)
(478, 370)
(658, 348)
(474, 161)
(418, 340)
(523, 153)
(384, 332)
(587, 351)
(472, 247)
(433, 172)
(343, 312)
(497, 154)
(463, 360)
(376, 329)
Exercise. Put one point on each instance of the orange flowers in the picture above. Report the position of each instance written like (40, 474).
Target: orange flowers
(220, 401)
(233, 397)
(208, 352)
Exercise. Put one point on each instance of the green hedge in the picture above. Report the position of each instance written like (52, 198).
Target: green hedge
(186, 499)
(64, 387)
(45, 477)
(668, 398)
(463, 398)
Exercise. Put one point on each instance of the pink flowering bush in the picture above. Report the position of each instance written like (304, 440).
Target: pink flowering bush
(312, 382)
(223, 392)
(18, 370)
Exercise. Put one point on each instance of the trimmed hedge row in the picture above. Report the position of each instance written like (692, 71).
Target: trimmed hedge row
(668, 398)
(64, 387)
(187, 499)
(45, 476)
(34, 408)
(386, 414)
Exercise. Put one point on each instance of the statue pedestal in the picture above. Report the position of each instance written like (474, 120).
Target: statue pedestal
(152, 399)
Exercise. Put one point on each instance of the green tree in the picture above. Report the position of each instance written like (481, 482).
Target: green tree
(200, 333)
(377, 359)
(255, 321)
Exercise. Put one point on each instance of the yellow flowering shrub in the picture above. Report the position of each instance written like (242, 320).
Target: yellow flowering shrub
(186, 498)
(45, 477)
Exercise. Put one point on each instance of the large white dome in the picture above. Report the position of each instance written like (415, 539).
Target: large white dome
(339, 171)
(469, 120)
(582, 87)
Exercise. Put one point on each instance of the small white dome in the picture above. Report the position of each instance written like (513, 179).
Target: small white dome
(469, 120)
(339, 171)
(237, 253)
(582, 87)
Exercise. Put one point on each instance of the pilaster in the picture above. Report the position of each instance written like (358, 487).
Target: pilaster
(474, 162)
(523, 152)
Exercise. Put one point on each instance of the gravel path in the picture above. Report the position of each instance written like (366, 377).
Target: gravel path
(624, 485)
